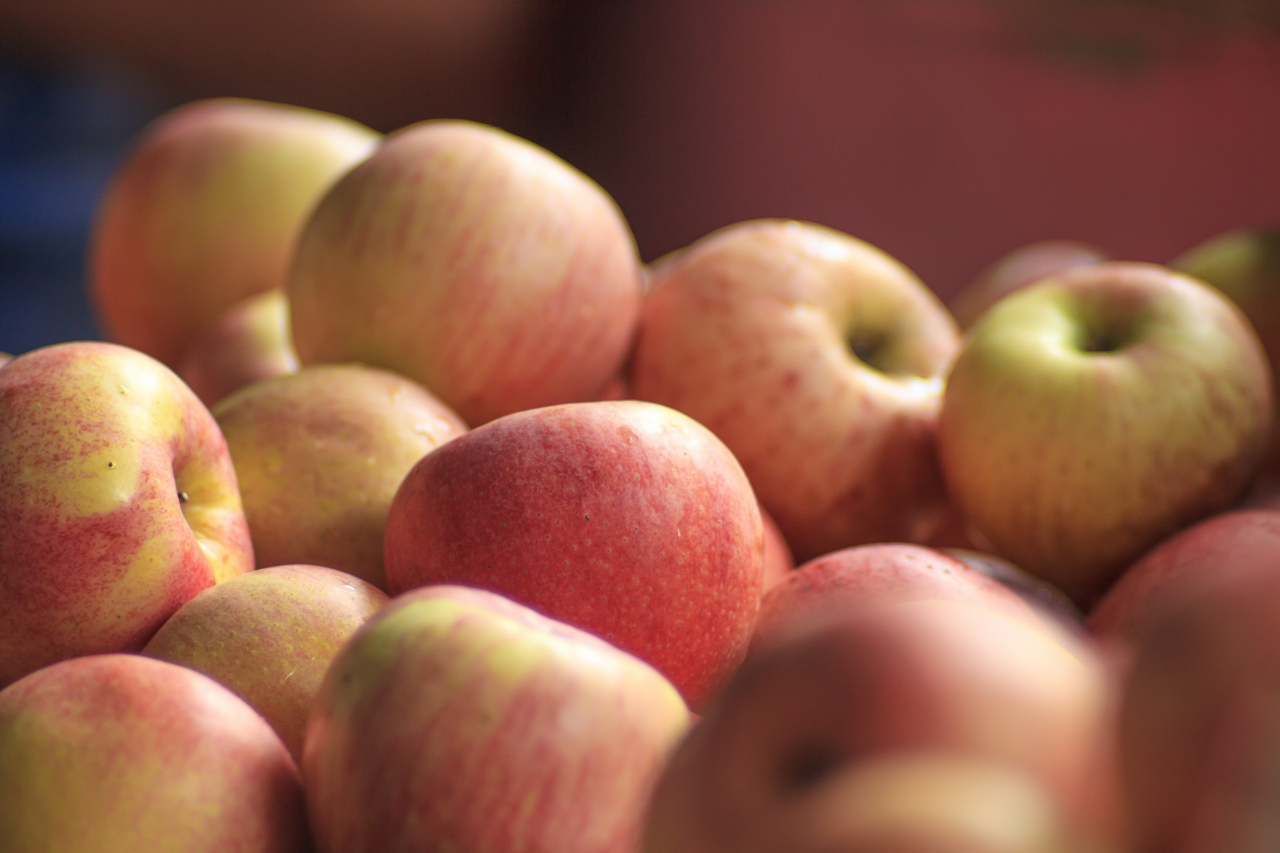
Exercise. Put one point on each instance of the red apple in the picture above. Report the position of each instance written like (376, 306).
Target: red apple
(778, 561)
(458, 720)
(818, 360)
(269, 636)
(123, 753)
(119, 503)
(476, 264)
(1018, 269)
(205, 211)
(249, 342)
(625, 519)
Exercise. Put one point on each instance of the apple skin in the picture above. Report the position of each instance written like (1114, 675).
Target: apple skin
(269, 637)
(456, 719)
(119, 503)
(319, 455)
(778, 561)
(1016, 270)
(249, 342)
(625, 519)
(922, 676)
(121, 753)
(1094, 414)
(752, 331)
(205, 211)
(476, 264)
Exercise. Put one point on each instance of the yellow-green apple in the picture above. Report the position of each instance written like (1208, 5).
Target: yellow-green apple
(625, 519)
(936, 676)
(1245, 265)
(119, 503)
(1207, 554)
(269, 636)
(778, 561)
(818, 360)
(841, 583)
(1094, 414)
(205, 211)
(1018, 269)
(247, 343)
(473, 262)
(456, 719)
(122, 754)
(319, 455)
(1044, 596)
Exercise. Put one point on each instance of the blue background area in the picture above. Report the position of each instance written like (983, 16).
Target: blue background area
(61, 135)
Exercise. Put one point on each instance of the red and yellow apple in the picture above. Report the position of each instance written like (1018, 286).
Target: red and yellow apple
(247, 343)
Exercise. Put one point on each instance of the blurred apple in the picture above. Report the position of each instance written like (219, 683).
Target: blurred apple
(473, 262)
(269, 636)
(818, 360)
(123, 753)
(778, 561)
(1018, 269)
(625, 519)
(1096, 413)
(249, 342)
(458, 720)
(1044, 596)
(119, 503)
(205, 211)
(319, 455)
(5, 358)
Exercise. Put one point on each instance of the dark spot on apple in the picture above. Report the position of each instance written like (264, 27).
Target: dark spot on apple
(111, 464)
(808, 766)
(183, 497)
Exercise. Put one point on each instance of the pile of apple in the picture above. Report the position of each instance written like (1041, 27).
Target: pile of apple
(410, 512)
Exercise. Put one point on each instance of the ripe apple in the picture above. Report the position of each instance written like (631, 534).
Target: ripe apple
(476, 264)
(845, 581)
(319, 455)
(269, 636)
(1018, 269)
(924, 676)
(778, 561)
(249, 342)
(124, 753)
(205, 211)
(625, 519)
(119, 503)
(818, 360)
(1092, 415)
(458, 720)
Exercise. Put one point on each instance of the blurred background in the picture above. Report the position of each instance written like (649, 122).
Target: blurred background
(946, 132)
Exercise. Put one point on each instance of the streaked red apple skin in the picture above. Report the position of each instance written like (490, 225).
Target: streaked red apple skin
(751, 331)
(625, 519)
(1016, 270)
(248, 343)
(205, 212)
(1096, 413)
(119, 503)
(457, 719)
(121, 753)
(476, 264)
(269, 636)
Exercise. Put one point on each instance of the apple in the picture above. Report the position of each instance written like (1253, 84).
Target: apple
(123, 753)
(269, 636)
(918, 677)
(625, 519)
(778, 561)
(1094, 414)
(119, 503)
(843, 582)
(205, 211)
(249, 342)
(458, 720)
(5, 358)
(1045, 597)
(1018, 269)
(476, 264)
(1208, 554)
(818, 360)
(319, 455)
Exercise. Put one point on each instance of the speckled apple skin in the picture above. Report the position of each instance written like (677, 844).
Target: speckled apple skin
(269, 636)
(122, 754)
(206, 211)
(746, 332)
(97, 441)
(473, 262)
(247, 343)
(319, 455)
(459, 720)
(625, 519)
